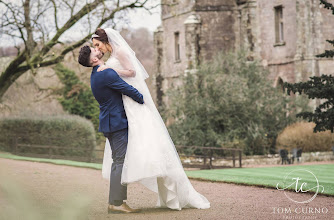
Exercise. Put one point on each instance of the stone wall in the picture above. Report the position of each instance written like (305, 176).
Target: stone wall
(249, 25)
(250, 161)
(217, 32)
(174, 8)
(276, 160)
(270, 53)
(204, 27)
(217, 26)
(306, 27)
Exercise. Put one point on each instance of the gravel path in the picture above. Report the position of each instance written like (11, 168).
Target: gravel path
(49, 189)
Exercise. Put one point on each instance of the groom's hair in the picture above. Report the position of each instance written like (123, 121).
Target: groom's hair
(84, 56)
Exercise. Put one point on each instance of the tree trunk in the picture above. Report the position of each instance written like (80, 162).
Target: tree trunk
(7, 78)
(30, 43)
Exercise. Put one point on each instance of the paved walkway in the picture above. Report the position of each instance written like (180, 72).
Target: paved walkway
(52, 191)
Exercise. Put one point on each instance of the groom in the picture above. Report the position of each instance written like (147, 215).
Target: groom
(107, 88)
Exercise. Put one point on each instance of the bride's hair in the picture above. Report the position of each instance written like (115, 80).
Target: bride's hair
(102, 36)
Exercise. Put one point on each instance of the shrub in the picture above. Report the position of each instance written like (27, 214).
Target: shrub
(62, 131)
(300, 135)
(228, 102)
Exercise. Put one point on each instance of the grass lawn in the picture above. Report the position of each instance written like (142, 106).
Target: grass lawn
(267, 177)
(97, 166)
(271, 176)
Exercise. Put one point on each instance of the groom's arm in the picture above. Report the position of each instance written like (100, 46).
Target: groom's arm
(113, 81)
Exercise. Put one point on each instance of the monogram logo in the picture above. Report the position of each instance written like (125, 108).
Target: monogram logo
(301, 185)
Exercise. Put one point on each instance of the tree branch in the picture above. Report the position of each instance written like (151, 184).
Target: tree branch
(86, 9)
(57, 59)
(71, 7)
(55, 14)
(60, 57)
(112, 15)
(16, 21)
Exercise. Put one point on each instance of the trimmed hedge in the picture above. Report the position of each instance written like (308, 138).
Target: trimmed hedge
(301, 135)
(61, 131)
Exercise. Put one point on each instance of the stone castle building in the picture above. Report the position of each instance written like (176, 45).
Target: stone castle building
(285, 35)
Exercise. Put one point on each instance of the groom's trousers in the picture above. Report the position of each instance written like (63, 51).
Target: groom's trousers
(118, 142)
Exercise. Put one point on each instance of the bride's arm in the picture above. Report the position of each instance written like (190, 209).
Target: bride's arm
(129, 70)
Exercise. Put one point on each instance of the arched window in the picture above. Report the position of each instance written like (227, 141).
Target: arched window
(279, 84)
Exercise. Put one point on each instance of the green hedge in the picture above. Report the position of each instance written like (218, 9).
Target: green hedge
(61, 131)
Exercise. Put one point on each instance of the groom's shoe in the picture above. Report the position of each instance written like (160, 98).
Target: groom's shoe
(124, 208)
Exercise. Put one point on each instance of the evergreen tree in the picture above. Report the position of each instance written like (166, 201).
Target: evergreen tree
(229, 102)
(321, 87)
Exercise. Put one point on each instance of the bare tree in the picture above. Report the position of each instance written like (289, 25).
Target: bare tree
(144, 49)
(37, 26)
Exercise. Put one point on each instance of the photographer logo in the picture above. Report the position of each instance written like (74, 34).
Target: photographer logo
(307, 183)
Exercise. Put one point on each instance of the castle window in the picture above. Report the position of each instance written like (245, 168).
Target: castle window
(279, 34)
(177, 46)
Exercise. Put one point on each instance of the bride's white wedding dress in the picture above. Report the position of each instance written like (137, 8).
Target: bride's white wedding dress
(151, 158)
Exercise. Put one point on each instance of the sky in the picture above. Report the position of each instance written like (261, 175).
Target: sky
(137, 19)
(142, 18)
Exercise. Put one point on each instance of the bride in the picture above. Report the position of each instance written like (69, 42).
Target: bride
(151, 157)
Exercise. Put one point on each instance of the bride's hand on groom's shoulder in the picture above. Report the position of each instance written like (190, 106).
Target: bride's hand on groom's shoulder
(101, 68)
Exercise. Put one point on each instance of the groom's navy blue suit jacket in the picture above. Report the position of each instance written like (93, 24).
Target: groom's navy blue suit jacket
(107, 88)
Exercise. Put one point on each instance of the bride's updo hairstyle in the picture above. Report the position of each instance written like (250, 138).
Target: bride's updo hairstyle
(102, 36)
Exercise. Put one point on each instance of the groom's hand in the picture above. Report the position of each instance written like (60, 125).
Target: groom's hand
(101, 68)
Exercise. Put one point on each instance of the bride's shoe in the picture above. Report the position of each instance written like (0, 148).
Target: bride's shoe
(124, 208)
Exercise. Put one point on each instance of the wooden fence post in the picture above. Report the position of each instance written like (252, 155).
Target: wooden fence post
(15, 145)
(50, 151)
(91, 156)
(233, 156)
(211, 154)
(240, 154)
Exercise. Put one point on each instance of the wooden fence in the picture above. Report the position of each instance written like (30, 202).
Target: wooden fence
(17, 148)
(207, 156)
